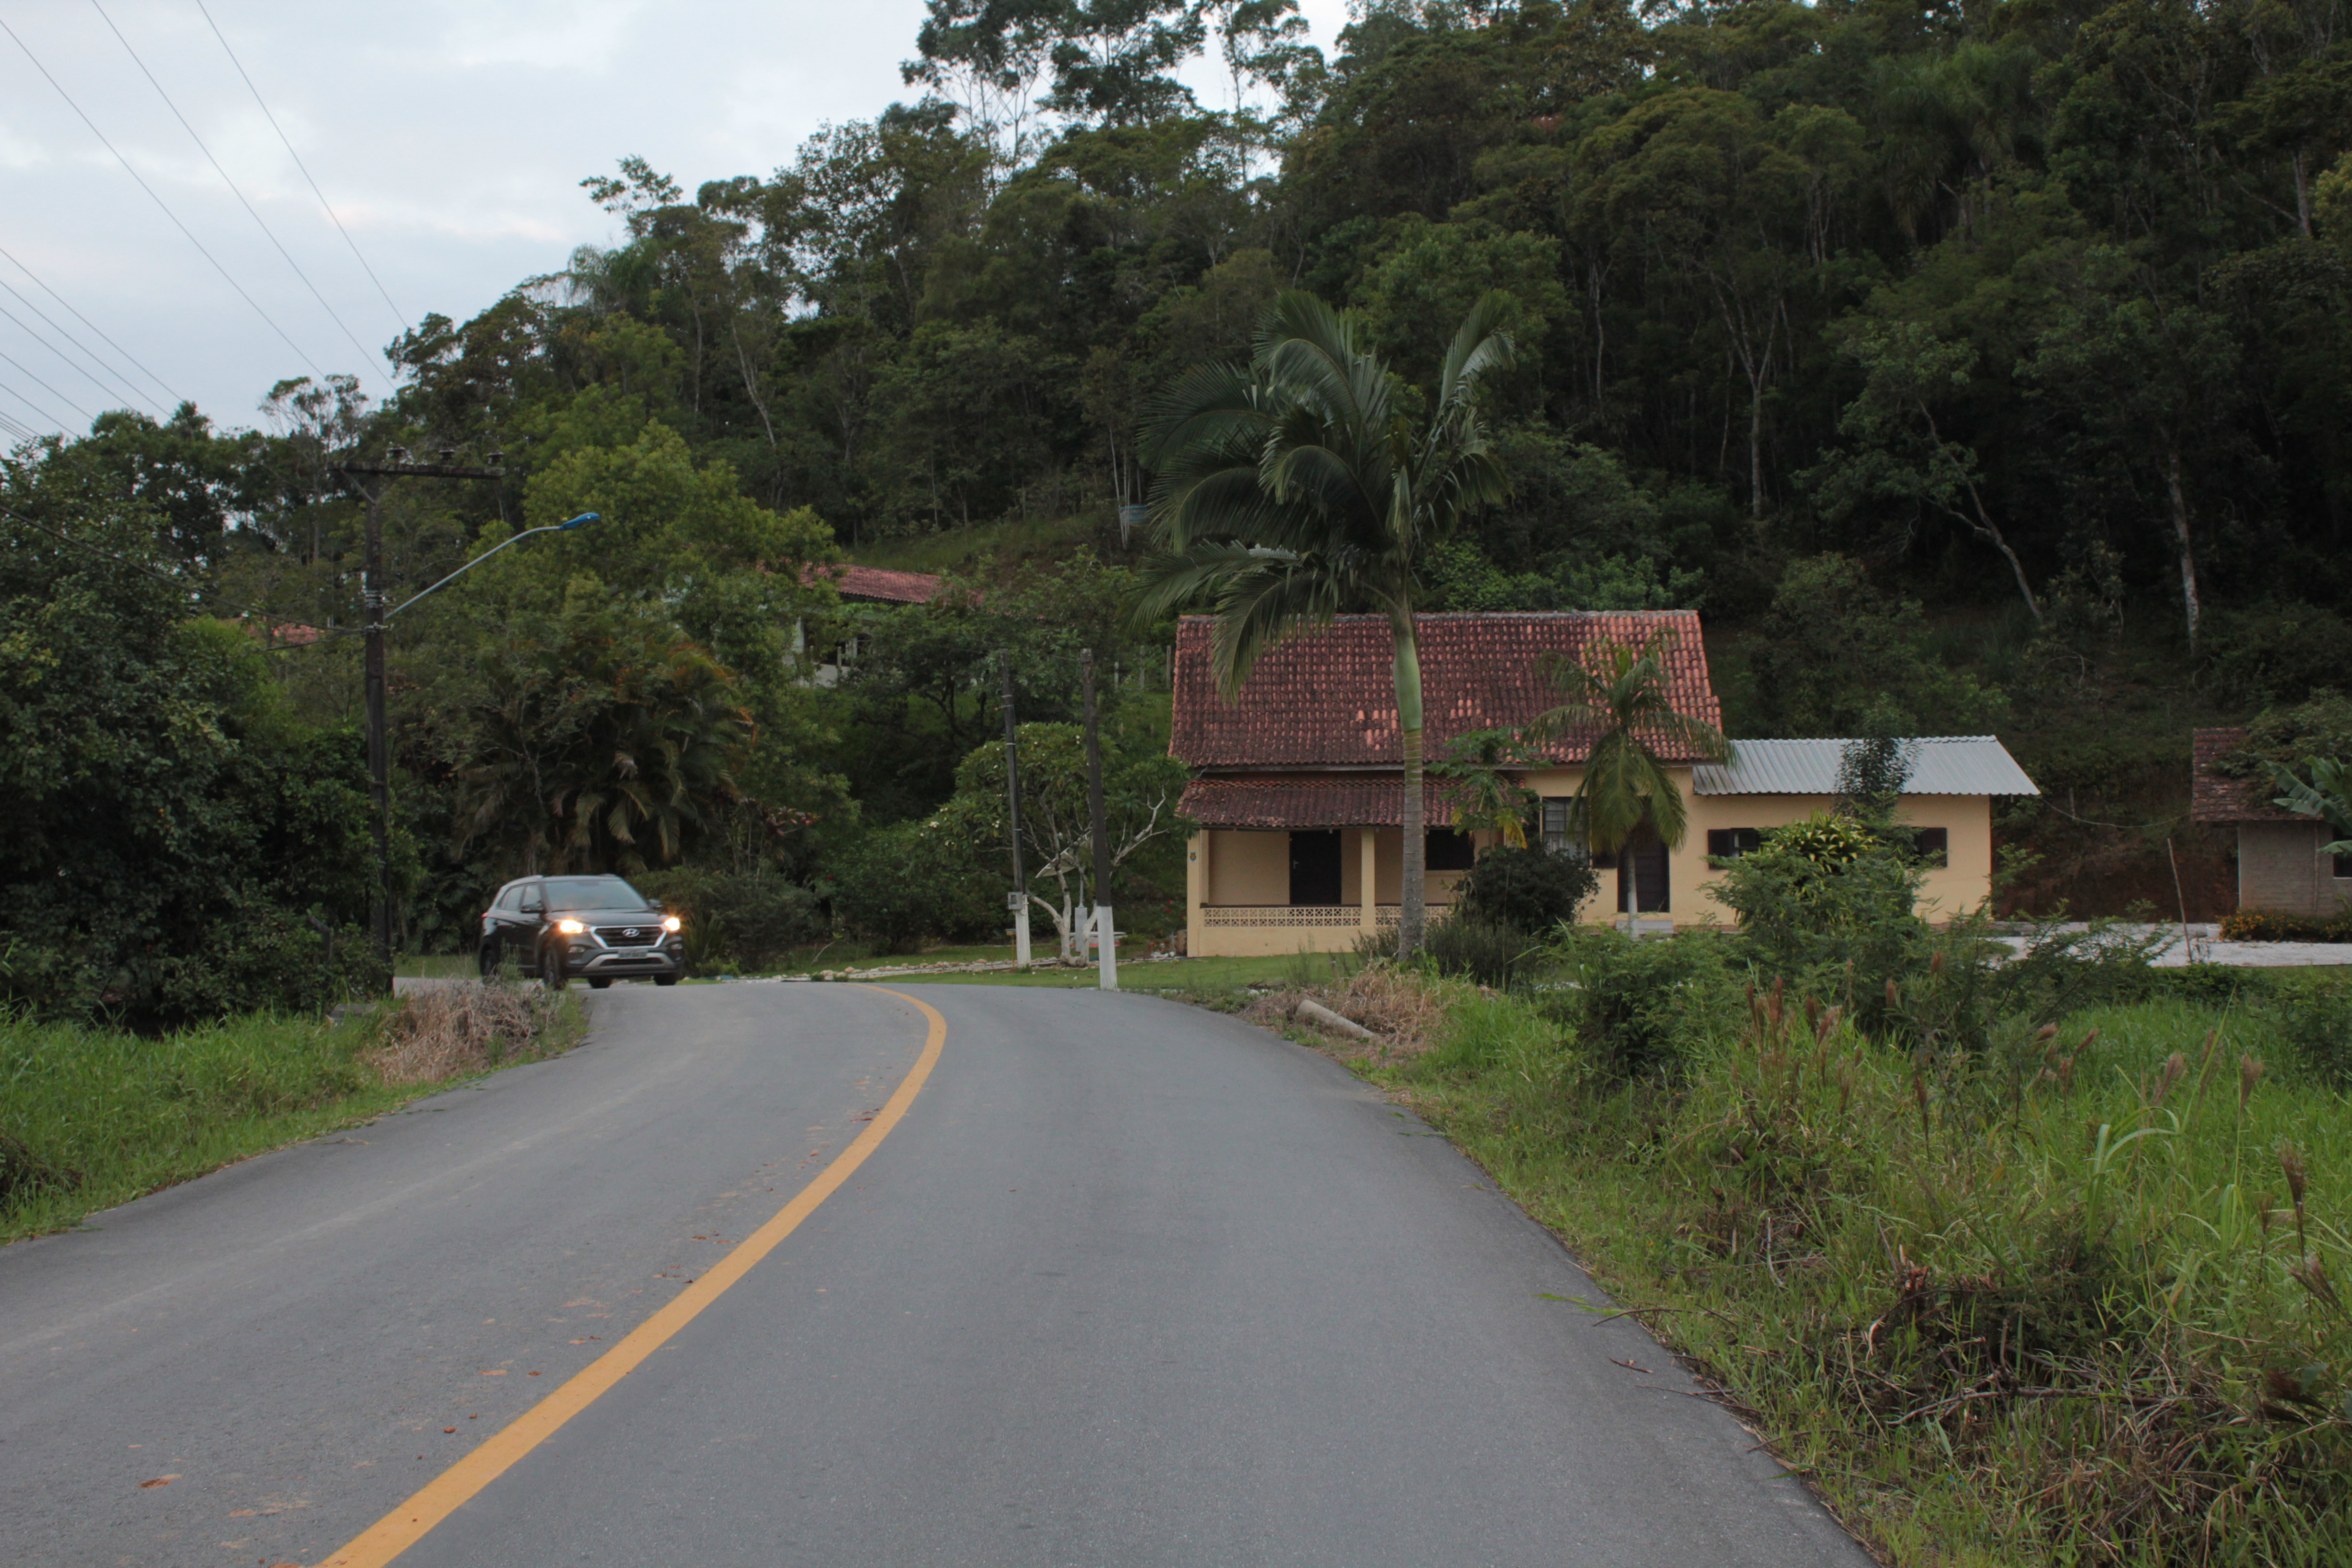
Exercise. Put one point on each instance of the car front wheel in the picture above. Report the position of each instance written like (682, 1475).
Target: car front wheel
(664, 979)
(550, 969)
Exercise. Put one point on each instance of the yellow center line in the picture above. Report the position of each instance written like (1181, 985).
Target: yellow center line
(404, 1526)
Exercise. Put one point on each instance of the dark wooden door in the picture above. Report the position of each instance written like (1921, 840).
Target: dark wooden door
(1315, 868)
(1644, 866)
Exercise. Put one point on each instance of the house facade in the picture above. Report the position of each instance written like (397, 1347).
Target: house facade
(2279, 865)
(1297, 793)
(858, 586)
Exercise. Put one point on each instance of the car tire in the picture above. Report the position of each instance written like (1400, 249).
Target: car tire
(484, 962)
(550, 970)
(664, 979)
(600, 982)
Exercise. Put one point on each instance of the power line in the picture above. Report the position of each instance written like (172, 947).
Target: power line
(122, 379)
(21, 431)
(53, 422)
(45, 386)
(64, 357)
(367, 356)
(398, 314)
(158, 201)
(86, 321)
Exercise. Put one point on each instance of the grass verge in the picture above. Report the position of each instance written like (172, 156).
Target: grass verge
(2075, 1303)
(93, 1118)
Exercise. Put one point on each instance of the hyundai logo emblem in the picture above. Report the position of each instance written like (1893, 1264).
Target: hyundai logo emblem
(631, 932)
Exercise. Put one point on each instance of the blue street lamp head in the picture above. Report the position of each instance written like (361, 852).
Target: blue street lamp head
(585, 517)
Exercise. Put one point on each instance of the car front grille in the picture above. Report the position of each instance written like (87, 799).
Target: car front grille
(629, 936)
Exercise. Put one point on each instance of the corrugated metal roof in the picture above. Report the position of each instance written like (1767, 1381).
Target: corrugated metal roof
(1943, 765)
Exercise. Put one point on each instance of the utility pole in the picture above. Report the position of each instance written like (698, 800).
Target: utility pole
(1106, 934)
(1019, 897)
(376, 599)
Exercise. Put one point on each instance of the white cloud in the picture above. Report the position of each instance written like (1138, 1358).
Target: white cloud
(449, 134)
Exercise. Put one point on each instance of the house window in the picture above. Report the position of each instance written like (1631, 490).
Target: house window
(1448, 850)
(1731, 843)
(1933, 846)
(1559, 835)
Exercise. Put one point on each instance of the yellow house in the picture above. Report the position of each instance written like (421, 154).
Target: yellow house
(1297, 792)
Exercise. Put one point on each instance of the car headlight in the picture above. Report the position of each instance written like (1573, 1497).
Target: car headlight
(570, 928)
(673, 923)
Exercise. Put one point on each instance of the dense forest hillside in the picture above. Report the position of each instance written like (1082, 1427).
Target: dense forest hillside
(1970, 367)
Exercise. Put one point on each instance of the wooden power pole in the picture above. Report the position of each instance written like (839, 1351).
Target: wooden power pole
(1019, 898)
(376, 598)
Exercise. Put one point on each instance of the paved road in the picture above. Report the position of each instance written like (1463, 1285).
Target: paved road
(1130, 1284)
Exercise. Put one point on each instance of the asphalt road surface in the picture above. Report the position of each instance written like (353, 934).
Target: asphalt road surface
(1128, 1283)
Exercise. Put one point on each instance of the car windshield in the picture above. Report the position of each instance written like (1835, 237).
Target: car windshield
(593, 893)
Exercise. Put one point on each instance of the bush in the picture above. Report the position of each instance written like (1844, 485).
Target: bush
(1640, 1007)
(1533, 890)
(2272, 925)
(1490, 953)
(738, 920)
(2313, 1017)
(900, 884)
(1829, 906)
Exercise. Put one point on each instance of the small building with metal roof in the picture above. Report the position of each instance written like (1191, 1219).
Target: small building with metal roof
(2281, 864)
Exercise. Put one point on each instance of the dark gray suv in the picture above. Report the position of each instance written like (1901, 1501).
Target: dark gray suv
(598, 927)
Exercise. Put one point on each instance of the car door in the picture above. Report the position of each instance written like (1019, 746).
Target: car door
(498, 924)
(530, 914)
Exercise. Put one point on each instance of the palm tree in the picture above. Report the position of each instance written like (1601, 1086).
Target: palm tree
(1294, 489)
(1622, 700)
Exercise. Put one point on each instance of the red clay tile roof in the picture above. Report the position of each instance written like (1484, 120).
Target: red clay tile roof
(1326, 699)
(1314, 801)
(2215, 797)
(876, 585)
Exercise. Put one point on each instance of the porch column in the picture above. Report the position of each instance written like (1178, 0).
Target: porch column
(1196, 892)
(1367, 882)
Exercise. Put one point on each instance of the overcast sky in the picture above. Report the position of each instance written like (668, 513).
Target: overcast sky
(449, 135)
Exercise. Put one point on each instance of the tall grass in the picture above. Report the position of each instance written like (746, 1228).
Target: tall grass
(91, 1118)
(2077, 1297)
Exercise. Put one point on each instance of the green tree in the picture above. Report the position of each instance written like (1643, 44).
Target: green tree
(1619, 702)
(1298, 487)
(1140, 801)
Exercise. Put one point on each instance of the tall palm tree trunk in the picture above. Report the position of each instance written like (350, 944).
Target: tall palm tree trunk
(1416, 842)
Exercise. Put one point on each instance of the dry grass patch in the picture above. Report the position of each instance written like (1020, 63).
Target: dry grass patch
(1404, 1007)
(454, 1031)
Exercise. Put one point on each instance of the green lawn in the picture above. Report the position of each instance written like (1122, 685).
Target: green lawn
(433, 965)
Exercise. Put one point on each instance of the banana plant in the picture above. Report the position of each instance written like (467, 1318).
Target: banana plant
(2328, 795)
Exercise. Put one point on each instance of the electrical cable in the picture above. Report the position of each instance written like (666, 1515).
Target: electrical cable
(104, 390)
(158, 201)
(399, 314)
(22, 432)
(367, 356)
(53, 423)
(85, 321)
(45, 386)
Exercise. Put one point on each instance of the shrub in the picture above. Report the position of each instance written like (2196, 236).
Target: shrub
(1640, 1007)
(1488, 952)
(1829, 906)
(265, 959)
(737, 920)
(1533, 890)
(900, 884)
(2313, 1017)
(2273, 925)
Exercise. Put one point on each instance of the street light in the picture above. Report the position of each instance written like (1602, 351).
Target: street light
(379, 745)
